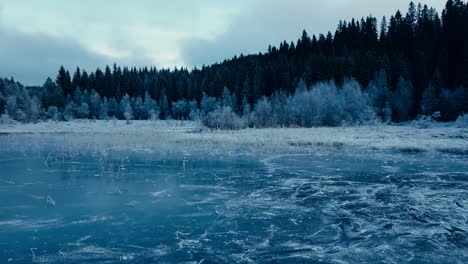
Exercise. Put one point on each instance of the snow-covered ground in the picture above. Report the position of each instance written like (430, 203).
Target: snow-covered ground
(99, 126)
(445, 137)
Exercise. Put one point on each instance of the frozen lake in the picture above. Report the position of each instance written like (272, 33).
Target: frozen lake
(75, 203)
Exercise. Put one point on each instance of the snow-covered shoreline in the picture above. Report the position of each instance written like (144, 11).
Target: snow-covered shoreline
(97, 126)
(442, 137)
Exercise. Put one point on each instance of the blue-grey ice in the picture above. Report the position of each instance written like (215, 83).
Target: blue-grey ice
(110, 203)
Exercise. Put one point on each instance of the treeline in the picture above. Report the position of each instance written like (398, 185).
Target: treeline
(410, 64)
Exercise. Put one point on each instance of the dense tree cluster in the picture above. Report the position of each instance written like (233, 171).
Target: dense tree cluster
(411, 64)
(19, 103)
(323, 104)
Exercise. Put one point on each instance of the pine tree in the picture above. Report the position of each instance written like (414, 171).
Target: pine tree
(2, 102)
(94, 104)
(54, 94)
(403, 100)
(151, 108)
(226, 99)
(76, 81)
(63, 80)
(140, 112)
(430, 101)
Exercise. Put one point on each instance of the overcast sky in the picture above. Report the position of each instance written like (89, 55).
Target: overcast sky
(37, 36)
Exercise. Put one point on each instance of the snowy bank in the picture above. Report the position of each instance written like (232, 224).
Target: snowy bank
(98, 126)
(446, 137)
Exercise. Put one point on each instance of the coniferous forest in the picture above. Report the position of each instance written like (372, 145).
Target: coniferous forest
(391, 69)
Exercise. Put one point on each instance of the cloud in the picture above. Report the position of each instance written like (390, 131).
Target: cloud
(142, 33)
(272, 21)
(32, 57)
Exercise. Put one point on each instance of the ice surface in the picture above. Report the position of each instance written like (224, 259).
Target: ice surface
(391, 194)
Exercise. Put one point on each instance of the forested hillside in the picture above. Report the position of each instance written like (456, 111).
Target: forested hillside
(396, 68)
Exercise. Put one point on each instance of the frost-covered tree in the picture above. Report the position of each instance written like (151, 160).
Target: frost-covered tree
(53, 113)
(123, 107)
(83, 111)
(194, 112)
(21, 116)
(262, 115)
(16, 110)
(139, 109)
(208, 104)
(226, 98)
(301, 86)
(85, 98)
(104, 110)
(462, 121)
(281, 108)
(128, 113)
(23, 111)
(387, 113)
(77, 96)
(223, 118)
(35, 109)
(153, 114)
(180, 110)
(356, 107)
(151, 108)
(11, 104)
(246, 109)
(305, 106)
(329, 104)
(69, 111)
(5, 118)
(114, 109)
(94, 104)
